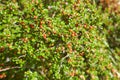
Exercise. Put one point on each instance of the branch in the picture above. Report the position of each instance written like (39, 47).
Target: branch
(6, 69)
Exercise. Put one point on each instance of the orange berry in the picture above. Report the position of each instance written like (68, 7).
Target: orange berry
(91, 27)
(71, 30)
(70, 51)
(2, 75)
(31, 26)
(72, 74)
(85, 26)
(25, 40)
(74, 34)
(35, 17)
(53, 31)
(41, 26)
(44, 36)
(69, 45)
(32, 1)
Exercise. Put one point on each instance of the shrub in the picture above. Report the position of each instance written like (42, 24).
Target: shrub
(62, 40)
(111, 5)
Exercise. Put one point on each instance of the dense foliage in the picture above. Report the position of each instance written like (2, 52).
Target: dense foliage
(58, 40)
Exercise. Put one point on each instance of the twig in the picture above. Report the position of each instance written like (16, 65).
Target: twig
(22, 56)
(62, 60)
(6, 69)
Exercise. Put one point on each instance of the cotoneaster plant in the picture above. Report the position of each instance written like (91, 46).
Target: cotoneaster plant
(60, 40)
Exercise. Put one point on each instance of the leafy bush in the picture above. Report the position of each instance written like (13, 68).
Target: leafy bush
(113, 28)
(63, 40)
